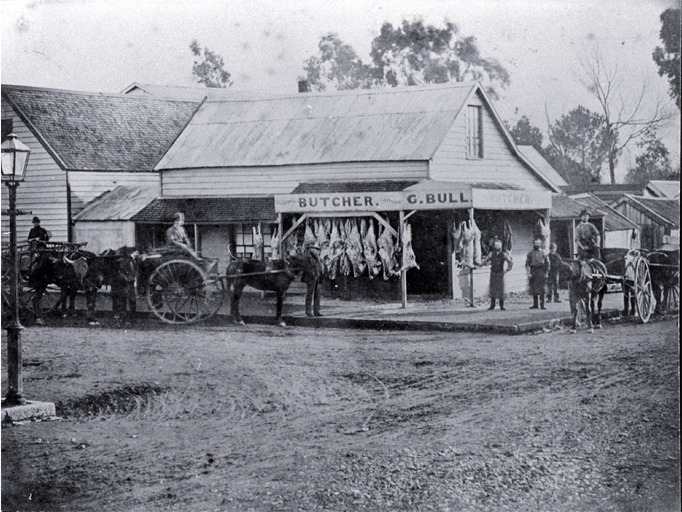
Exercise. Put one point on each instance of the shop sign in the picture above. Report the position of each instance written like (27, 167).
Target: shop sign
(436, 200)
(339, 202)
(492, 199)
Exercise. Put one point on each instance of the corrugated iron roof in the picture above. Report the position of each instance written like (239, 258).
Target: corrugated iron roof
(119, 204)
(563, 207)
(101, 132)
(668, 209)
(665, 188)
(210, 210)
(542, 165)
(196, 93)
(392, 124)
(613, 221)
(352, 187)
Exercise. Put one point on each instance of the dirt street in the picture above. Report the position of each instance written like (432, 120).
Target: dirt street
(214, 417)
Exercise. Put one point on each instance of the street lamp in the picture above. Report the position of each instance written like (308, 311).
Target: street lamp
(14, 161)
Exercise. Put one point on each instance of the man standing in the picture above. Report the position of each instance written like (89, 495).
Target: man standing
(312, 274)
(587, 238)
(555, 263)
(37, 232)
(537, 266)
(497, 258)
(176, 236)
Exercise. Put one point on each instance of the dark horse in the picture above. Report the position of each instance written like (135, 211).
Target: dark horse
(82, 270)
(274, 276)
(586, 281)
(664, 268)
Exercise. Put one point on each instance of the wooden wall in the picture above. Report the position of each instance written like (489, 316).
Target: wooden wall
(498, 165)
(280, 180)
(102, 235)
(43, 192)
(651, 236)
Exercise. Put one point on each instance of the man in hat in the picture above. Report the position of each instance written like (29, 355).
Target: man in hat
(537, 266)
(587, 238)
(497, 258)
(313, 270)
(176, 236)
(37, 232)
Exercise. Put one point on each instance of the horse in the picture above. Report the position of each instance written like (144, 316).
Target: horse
(80, 270)
(120, 275)
(663, 268)
(586, 281)
(618, 262)
(276, 275)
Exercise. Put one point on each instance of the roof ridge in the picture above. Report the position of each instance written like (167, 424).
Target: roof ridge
(94, 93)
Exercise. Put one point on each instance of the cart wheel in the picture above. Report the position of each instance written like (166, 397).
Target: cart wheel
(179, 291)
(672, 293)
(643, 290)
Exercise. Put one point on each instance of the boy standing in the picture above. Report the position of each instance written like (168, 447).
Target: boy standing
(555, 263)
(537, 266)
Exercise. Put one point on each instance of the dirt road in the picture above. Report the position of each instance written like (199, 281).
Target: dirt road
(264, 418)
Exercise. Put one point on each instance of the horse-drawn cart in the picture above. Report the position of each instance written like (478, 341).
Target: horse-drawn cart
(181, 289)
(649, 279)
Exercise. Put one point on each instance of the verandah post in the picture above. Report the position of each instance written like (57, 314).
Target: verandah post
(471, 269)
(403, 272)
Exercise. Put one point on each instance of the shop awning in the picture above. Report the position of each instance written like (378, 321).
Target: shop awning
(209, 210)
(395, 196)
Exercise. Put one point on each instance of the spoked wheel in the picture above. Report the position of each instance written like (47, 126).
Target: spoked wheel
(179, 291)
(643, 290)
(671, 293)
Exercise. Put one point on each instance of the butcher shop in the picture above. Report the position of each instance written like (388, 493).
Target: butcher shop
(404, 189)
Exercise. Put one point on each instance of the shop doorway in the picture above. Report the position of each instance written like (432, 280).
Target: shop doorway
(430, 244)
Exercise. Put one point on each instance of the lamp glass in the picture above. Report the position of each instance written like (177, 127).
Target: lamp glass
(14, 159)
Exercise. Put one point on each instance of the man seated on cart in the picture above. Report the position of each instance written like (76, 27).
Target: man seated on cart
(176, 236)
(587, 238)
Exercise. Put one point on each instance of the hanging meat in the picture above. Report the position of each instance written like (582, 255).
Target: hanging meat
(274, 245)
(336, 250)
(386, 245)
(354, 250)
(541, 231)
(467, 252)
(309, 236)
(506, 237)
(457, 239)
(409, 259)
(257, 243)
(369, 244)
(476, 243)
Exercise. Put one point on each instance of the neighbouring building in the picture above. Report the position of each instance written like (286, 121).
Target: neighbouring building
(82, 145)
(658, 218)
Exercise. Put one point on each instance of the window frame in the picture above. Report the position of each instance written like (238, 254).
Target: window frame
(474, 132)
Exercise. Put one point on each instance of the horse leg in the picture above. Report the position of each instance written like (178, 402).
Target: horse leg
(600, 299)
(237, 289)
(91, 300)
(589, 307)
(280, 307)
(37, 296)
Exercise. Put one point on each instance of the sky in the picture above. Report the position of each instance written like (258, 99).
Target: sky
(97, 45)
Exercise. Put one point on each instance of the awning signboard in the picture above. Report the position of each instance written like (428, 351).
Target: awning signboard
(422, 196)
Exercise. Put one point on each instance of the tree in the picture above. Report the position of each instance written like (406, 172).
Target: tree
(209, 67)
(526, 134)
(418, 54)
(408, 55)
(668, 57)
(624, 120)
(337, 66)
(579, 145)
(653, 163)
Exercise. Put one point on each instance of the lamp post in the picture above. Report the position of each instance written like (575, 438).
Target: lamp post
(14, 162)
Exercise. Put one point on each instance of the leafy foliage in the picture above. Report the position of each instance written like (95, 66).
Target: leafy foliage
(668, 57)
(579, 145)
(338, 66)
(525, 134)
(209, 67)
(417, 54)
(653, 163)
(411, 54)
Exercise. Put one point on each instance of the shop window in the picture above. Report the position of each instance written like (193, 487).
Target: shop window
(474, 131)
(243, 240)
